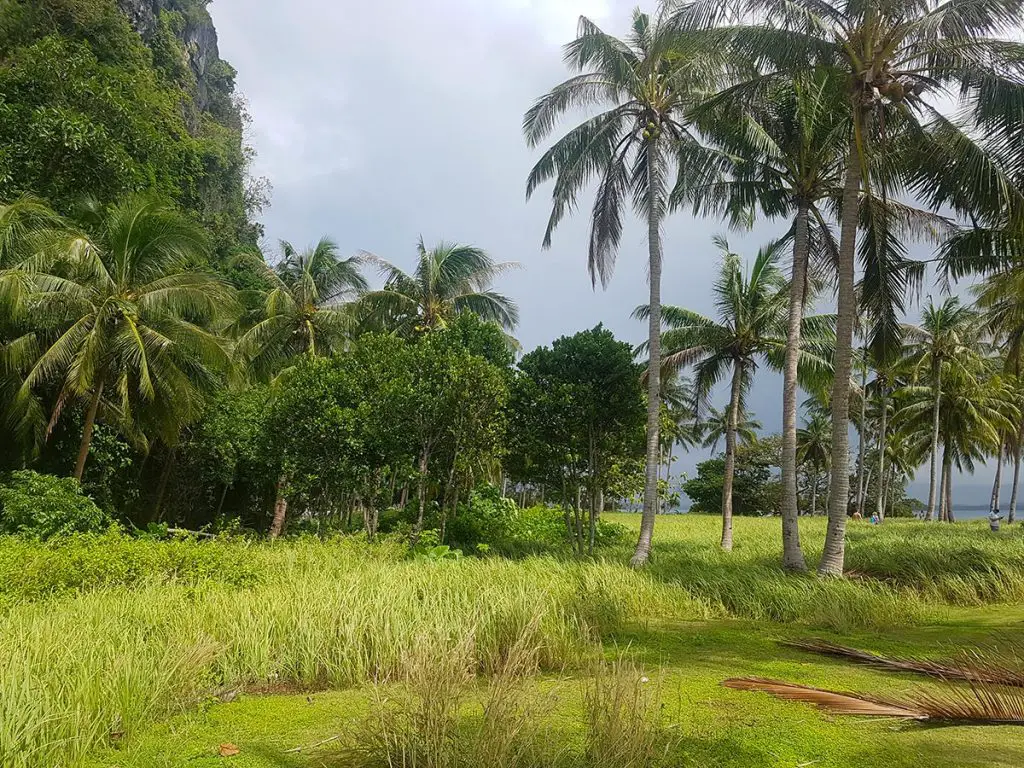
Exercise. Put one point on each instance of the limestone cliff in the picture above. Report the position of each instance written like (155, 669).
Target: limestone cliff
(190, 25)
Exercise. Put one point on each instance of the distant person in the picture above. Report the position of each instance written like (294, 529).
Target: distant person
(857, 515)
(875, 519)
(993, 520)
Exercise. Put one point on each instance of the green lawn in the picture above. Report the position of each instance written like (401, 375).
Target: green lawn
(716, 632)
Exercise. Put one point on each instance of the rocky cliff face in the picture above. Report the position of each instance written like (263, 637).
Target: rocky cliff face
(197, 36)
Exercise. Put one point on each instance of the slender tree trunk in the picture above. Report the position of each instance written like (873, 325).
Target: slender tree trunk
(422, 494)
(994, 505)
(862, 434)
(937, 392)
(668, 478)
(947, 485)
(882, 428)
(814, 495)
(832, 558)
(730, 453)
(405, 495)
(1016, 482)
(578, 509)
(220, 504)
(792, 555)
(643, 545)
(165, 476)
(280, 509)
(87, 429)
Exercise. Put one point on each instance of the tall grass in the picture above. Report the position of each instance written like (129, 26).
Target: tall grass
(902, 572)
(126, 632)
(79, 672)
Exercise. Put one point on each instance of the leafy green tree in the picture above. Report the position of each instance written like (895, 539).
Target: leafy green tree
(645, 89)
(128, 326)
(450, 279)
(756, 489)
(579, 405)
(751, 327)
(308, 308)
(898, 61)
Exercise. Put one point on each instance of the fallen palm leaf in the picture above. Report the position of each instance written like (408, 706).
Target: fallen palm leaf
(831, 701)
(974, 666)
(977, 703)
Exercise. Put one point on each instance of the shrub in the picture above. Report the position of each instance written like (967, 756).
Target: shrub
(32, 570)
(43, 507)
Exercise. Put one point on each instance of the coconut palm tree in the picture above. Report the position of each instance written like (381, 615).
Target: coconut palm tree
(645, 89)
(449, 279)
(714, 426)
(779, 153)
(945, 342)
(814, 442)
(752, 312)
(899, 61)
(136, 324)
(975, 409)
(28, 231)
(307, 308)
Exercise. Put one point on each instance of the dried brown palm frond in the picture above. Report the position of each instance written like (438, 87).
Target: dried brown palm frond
(992, 667)
(832, 701)
(976, 703)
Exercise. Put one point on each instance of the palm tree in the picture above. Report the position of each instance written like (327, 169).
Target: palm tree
(752, 326)
(449, 279)
(975, 408)
(779, 153)
(645, 88)
(28, 230)
(714, 426)
(306, 310)
(137, 324)
(898, 59)
(814, 442)
(1001, 300)
(946, 340)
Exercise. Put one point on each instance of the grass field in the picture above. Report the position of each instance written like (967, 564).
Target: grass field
(402, 662)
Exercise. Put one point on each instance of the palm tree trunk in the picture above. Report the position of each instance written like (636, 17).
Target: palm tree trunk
(833, 557)
(994, 505)
(643, 545)
(814, 495)
(882, 428)
(87, 428)
(1016, 482)
(730, 454)
(280, 509)
(947, 483)
(792, 555)
(937, 387)
(862, 438)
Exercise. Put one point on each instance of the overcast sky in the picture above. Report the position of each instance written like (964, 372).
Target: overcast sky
(378, 122)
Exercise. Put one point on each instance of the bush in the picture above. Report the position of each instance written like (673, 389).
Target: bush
(43, 507)
(33, 570)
